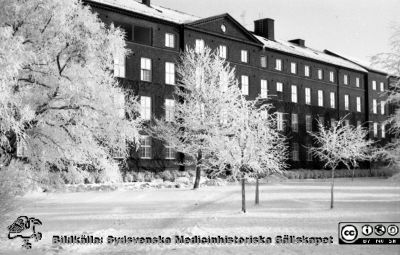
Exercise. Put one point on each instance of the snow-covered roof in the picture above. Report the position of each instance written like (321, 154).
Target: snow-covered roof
(152, 11)
(357, 61)
(306, 52)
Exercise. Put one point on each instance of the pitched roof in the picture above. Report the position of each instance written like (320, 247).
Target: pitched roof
(155, 11)
(308, 53)
(356, 61)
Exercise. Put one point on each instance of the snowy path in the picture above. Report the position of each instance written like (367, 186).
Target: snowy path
(296, 208)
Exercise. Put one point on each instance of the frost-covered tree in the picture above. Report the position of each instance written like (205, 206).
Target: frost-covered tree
(251, 145)
(341, 144)
(60, 103)
(205, 94)
(390, 62)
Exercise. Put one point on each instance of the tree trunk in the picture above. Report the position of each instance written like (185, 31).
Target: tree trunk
(198, 170)
(243, 196)
(257, 192)
(332, 185)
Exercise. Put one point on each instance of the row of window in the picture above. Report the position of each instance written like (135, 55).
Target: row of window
(145, 151)
(145, 108)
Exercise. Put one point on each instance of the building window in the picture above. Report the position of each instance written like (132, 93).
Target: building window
(374, 106)
(332, 99)
(382, 86)
(321, 120)
(169, 109)
(119, 65)
(347, 122)
(308, 123)
(357, 82)
(333, 122)
(373, 85)
(244, 56)
(375, 129)
(293, 67)
(145, 147)
(309, 153)
(145, 107)
(145, 69)
(295, 123)
(169, 152)
(295, 152)
(346, 79)
(331, 76)
(278, 64)
(263, 60)
(308, 95)
(382, 107)
(346, 102)
(279, 121)
(294, 93)
(320, 98)
(170, 73)
(279, 86)
(245, 85)
(169, 40)
(320, 74)
(307, 71)
(199, 45)
(223, 51)
(383, 130)
(264, 89)
(142, 35)
(358, 104)
(358, 123)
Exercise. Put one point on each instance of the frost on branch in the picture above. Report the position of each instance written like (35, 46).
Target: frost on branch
(60, 101)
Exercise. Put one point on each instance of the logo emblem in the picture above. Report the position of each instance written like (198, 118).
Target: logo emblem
(392, 230)
(25, 228)
(349, 233)
(380, 230)
(367, 230)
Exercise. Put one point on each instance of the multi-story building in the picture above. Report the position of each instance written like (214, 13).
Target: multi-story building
(305, 85)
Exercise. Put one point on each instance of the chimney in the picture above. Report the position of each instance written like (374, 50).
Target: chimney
(146, 2)
(299, 42)
(265, 28)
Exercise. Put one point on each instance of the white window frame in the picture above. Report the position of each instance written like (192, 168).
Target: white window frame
(382, 86)
(374, 106)
(119, 65)
(331, 76)
(279, 121)
(307, 71)
(346, 102)
(373, 85)
(308, 123)
(263, 61)
(295, 122)
(375, 129)
(244, 56)
(264, 88)
(357, 82)
(383, 107)
(145, 147)
(199, 46)
(145, 69)
(169, 73)
(279, 86)
(169, 110)
(145, 107)
(169, 40)
(332, 99)
(294, 94)
(320, 98)
(295, 152)
(223, 51)
(245, 85)
(346, 79)
(358, 102)
(170, 152)
(307, 94)
(278, 64)
(293, 67)
(320, 74)
(383, 130)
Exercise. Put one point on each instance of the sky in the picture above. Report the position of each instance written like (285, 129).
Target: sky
(357, 28)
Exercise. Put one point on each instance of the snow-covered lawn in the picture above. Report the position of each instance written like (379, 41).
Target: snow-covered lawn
(293, 208)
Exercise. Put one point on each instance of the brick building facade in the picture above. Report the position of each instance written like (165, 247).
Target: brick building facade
(304, 85)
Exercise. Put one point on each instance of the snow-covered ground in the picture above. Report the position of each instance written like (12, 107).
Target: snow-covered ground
(293, 208)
